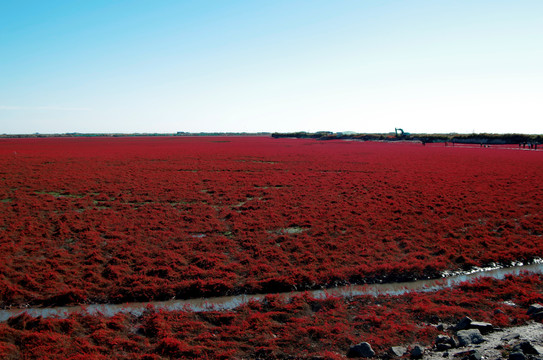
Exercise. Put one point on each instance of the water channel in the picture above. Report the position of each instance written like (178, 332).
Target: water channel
(231, 302)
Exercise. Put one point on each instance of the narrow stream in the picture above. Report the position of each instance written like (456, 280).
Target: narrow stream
(231, 302)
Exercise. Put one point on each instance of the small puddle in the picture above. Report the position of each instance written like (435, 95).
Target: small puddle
(231, 302)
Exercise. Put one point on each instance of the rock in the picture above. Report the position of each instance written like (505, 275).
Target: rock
(517, 356)
(444, 342)
(509, 337)
(535, 311)
(463, 324)
(443, 347)
(397, 351)
(442, 339)
(468, 355)
(468, 337)
(537, 316)
(534, 308)
(483, 327)
(440, 327)
(416, 352)
(474, 355)
(361, 350)
(467, 323)
(526, 348)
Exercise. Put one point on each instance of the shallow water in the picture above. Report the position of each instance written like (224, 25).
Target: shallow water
(231, 302)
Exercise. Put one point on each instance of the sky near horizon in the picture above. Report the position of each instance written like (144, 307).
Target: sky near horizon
(231, 66)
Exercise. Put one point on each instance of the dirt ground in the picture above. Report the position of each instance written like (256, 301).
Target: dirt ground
(497, 344)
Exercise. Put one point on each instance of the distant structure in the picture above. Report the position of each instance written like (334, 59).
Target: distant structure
(399, 132)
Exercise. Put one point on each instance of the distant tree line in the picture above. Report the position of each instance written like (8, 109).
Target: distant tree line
(481, 138)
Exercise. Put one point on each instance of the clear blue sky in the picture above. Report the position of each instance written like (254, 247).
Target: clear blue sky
(365, 66)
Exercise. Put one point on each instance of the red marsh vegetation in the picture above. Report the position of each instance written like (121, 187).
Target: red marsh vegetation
(302, 328)
(136, 219)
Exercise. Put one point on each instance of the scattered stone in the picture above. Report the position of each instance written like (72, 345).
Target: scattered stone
(467, 323)
(468, 337)
(416, 352)
(525, 340)
(444, 342)
(361, 350)
(468, 354)
(397, 351)
(536, 311)
(517, 356)
(473, 355)
(510, 337)
(534, 308)
(442, 339)
(443, 347)
(483, 327)
(463, 324)
(526, 348)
